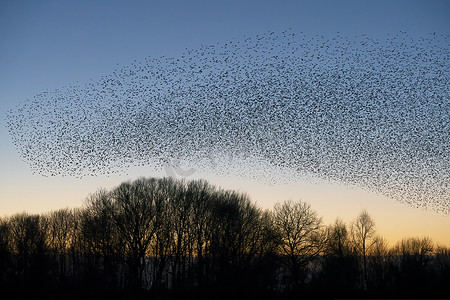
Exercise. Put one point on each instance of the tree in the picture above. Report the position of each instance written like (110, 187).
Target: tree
(202, 196)
(362, 232)
(60, 233)
(237, 237)
(415, 252)
(137, 221)
(338, 239)
(379, 263)
(302, 237)
(179, 221)
(5, 254)
(161, 247)
(442, 257)
(100, 237)
(413, 256)
(28, 242)
(339, 265)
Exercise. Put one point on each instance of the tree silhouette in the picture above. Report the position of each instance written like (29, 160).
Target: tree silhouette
(28, 242)
(236, 237)
(203, 201)
(338, 243)
(302, 237)
(379, 263)
(413, 257)
(442, 256)
(60, 237)
(101, 242)
(137, 221)
(339, 265)
(173, 238)
(5, 254)
(362, 232)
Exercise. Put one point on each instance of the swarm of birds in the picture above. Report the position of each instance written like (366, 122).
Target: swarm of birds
(362, 111)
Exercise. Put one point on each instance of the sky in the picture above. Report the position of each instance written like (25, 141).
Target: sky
(48, 45)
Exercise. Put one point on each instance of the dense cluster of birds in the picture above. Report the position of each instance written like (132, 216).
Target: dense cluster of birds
(362, 111)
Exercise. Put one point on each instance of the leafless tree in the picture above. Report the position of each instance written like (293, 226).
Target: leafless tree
(302, 236)
(101, 243)
(202, 196)
(338, 239)
(180, 211)
(412, 257)
(379, 262)
(340, 270)
(442, 255)
(415, 251)
(5, 254)
(362, 233)
(136, 220)
(77, 244)
(28, 243)
(160, 248)
(60, 229)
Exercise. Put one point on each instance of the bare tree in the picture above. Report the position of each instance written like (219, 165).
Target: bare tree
(180, 212)
(100, 234)
(340, 268)
(5, 253)
(442, 255)
(415, 251)
(160, 248)
(60, 228)
(379, 262)
(362, 232)
(302, 236)
(28, 242)
(203, 199)
(77, 242)
(338, 239)
(412, 261)
(235, 235)
(136, 219)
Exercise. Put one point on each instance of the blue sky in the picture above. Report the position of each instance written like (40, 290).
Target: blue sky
(45, 45)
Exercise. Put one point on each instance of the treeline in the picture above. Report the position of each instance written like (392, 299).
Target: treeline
(166, 237)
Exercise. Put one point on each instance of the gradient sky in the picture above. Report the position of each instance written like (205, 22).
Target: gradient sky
(45, 45)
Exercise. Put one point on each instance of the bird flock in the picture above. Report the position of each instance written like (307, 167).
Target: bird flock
(359, 110)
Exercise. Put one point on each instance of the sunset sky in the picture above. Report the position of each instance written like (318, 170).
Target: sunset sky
(46, 45)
